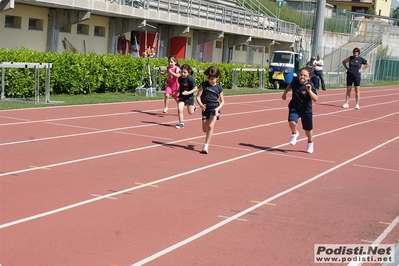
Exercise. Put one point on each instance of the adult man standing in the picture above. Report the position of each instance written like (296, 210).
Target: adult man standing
(318, 70)
(313, 78)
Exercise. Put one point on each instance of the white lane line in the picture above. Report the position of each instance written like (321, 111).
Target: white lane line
(378, 240)
(141, 135)
(147, 184)
(221, 146)
(238, 215)
(299, 157)
(187, 139)
(25, 121)
(238, 219)
(173, 122)
(96, 195)
(377, 168)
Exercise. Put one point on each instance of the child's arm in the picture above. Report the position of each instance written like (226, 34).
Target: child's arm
(198, 98)
(312, 95)
(193, 90)
(287, 89)
(176, 75)
(221, 102)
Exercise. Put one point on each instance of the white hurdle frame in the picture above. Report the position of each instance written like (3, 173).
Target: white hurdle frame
(36, 67)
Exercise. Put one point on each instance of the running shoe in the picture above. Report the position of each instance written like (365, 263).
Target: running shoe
(357, 107)
(310, 147)
(205, 149)
(180, 126)
(165, 110)
(345, 105)
(293, 138)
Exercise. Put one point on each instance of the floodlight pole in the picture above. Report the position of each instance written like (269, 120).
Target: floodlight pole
(319, 27)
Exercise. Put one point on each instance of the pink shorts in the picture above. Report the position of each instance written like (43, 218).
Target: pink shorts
(174, 92)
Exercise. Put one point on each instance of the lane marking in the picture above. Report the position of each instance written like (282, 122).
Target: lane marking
(299, 157)
(268, 203)
(221, 146)
(377, 168)
(196, 137)
(141, 135)
(138, 183)
(367, 241)
(238, 219)
(96, 195)
(238, 215)
(379, 239)
(39, 167)
(174, 122)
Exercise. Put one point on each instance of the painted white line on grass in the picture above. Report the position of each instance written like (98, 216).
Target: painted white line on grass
(238, 215)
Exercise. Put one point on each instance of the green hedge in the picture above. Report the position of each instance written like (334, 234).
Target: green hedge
(93, 73)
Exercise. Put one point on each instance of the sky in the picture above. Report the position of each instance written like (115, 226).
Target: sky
(394, 4)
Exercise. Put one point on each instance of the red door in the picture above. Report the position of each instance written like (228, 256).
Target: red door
(177, 47)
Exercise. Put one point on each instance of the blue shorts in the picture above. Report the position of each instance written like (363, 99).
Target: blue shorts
(306, 118)
(207, 114)
(187, 101)
(352, 80)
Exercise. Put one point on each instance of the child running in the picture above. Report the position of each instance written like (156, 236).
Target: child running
(300, 106)
(172, 84)
(210, 98)
(187, 89)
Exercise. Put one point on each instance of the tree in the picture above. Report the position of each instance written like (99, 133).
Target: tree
(395, 15)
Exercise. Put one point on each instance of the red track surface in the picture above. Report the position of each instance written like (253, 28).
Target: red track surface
(117, 184)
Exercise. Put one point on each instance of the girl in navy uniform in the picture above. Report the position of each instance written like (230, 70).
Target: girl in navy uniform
(353, 75)
(210, 98)
(300, 106)
(187, 89)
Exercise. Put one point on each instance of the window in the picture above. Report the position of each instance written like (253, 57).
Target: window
(237, 48)
(13, 22)
(35, 24)
(188, 41)
(218, 45)
(99, 31)
(244, 48)
(82, 29)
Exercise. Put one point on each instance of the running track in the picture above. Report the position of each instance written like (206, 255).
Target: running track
(117, 184)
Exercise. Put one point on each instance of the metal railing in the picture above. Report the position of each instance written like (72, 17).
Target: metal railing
(206, 10)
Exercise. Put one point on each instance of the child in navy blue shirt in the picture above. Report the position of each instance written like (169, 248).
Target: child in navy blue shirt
(300, 106)
(187, 89)
(353, 75)
(210, 98)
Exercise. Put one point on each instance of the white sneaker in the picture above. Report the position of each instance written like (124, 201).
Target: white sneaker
(310, 147)
(180, 126)
(293, 138)
(345, 105)
(205, 149)
(165, 110)
(357, 107)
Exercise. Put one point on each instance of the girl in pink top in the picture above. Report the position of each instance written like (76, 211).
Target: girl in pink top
(172, 84)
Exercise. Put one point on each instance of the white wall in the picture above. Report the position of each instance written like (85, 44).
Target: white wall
(87, 42)
(18, 37)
